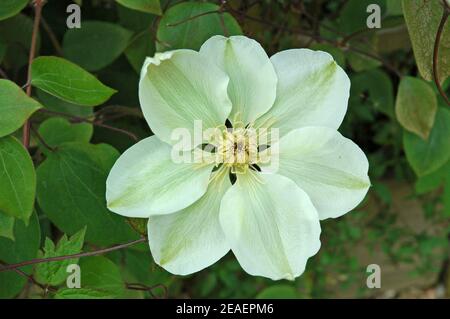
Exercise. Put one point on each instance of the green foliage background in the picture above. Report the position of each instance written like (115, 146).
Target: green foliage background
(84, 111)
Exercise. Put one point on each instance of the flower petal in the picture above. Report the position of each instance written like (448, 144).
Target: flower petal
(330, 168)
(271, 225)
(179, 87)
(312, 90)
(191, 239)
(146, 181)
(253, 81)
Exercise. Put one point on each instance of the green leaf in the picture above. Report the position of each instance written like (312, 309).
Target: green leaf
(416, 106)
(361, 62)
(138, 264)
(68, 81)
(353, 21)
(96, 45)
(71, 192)
(150, 6)
(9, 8)
(24, 247)
(82, 293)
(16, 32)
(139, 225)
(337, 53)
(6, 226)
(55, 273)
(191, 30)
(55, 104)
(430, 182)
(141, 47)
(393, 36)
(136, 21)
(56, 131)
(101, 278)
(427, 156)
(15, 107)
(447, 195)
(17, 179)
(278, 292)
(394, 7)
(353, 16)
(422, 19)
(373, 87)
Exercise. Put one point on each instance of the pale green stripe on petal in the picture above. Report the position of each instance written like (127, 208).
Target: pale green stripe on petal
(146, 181)
(312, 91)
(271, 225)
(253, 81)
(330, 168)
(179, 87)
(191, 239)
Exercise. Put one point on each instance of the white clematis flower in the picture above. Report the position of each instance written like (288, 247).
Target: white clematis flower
(269, 219)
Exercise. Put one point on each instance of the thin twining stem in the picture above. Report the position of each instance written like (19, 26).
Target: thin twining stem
(31, 279)
(40, 138)
(436, 51)
(38, 4)
(149, 289)
(73, 256)
(93, 122)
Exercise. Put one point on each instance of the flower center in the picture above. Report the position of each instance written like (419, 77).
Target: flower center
(237, 148)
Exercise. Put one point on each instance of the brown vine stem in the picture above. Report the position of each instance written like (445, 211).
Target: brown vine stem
(353, 35)
(86, 120)
(376, 57)
(192, 18)
(219, 11)
(38, 4)
(436, 51)
(40, 138)
(30, 279)
(149, 289)
(112, 128)
(60, 258)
